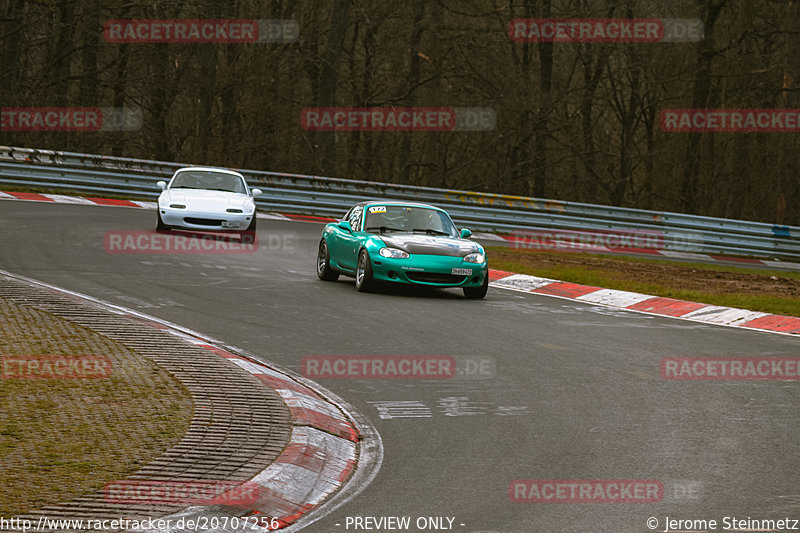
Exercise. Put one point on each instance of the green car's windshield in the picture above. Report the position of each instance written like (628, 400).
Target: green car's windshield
(204, 179)
(411, 219)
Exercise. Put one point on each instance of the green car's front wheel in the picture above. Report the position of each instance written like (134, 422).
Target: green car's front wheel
(476, 293)
(324, 270)
(364, 280)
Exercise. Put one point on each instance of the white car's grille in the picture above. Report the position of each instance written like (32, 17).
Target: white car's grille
(203, 221)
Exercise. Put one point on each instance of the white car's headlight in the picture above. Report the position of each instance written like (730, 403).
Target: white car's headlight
(475, 258)
(394, 253)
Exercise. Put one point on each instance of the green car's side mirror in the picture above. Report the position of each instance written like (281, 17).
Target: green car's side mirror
(344, 224)
(465, 233)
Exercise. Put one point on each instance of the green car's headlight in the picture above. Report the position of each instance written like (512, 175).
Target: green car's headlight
(475, 258)
(394, 253)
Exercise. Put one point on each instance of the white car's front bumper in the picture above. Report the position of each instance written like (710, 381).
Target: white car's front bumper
(200, 220)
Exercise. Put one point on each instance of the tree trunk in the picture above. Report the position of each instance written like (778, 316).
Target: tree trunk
(542, 119)
(702, 98)
(329, 78)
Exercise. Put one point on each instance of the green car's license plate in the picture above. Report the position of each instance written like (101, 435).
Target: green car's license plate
(461, 272)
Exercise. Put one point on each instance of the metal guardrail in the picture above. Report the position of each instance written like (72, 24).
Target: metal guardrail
(322, 196)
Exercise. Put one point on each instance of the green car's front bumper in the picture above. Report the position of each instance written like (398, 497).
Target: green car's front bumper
(430, 270)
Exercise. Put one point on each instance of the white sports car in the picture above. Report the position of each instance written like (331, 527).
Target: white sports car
(203, 198)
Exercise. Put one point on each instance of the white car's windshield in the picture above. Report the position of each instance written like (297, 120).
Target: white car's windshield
(208, 179)
(388, 218)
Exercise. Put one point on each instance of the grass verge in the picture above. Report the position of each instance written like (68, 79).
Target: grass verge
(63, 438)
(768, 291)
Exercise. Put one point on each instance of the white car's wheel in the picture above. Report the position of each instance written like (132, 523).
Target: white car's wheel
(160, 226)
(249, 234)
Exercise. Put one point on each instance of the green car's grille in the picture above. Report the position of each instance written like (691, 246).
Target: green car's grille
(434, 277)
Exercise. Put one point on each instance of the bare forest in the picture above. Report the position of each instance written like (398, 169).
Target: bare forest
(575, 121)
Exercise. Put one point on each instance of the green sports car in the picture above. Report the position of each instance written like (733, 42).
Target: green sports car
(400, 242)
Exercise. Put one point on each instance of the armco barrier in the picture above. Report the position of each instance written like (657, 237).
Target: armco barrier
(321, 196)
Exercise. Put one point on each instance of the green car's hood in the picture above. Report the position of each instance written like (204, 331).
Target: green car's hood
(430, 244)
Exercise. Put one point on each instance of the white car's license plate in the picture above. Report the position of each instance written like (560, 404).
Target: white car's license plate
(230, 224)
(461, 272)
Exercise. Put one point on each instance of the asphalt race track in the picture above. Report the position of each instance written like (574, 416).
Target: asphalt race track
(571, 391)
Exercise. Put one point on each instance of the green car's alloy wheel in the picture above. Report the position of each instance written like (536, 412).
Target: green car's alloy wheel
(364, 280)
(324, 271)
(476, 293)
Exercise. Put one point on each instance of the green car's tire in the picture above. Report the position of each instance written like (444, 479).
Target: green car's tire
(364, 280)
(476, 293)
(160, 226)
(324, 270)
